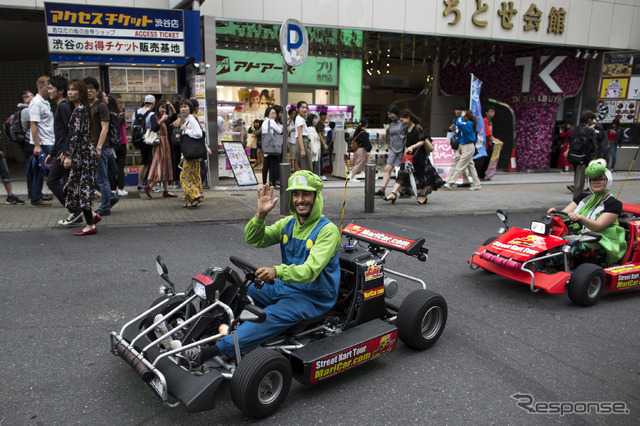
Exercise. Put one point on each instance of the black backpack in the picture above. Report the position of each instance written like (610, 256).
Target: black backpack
(16, 132)
(580, 141)
(138, 129)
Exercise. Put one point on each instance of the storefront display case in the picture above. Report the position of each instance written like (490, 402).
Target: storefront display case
(377, 156)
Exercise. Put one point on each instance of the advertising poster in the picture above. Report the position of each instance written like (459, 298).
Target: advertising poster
(634, 88)
(617, 65)
(151, 80)
(441, 156)
(625, 111)
(134, 80)
(240, 164)
(614, 88)
(118, 80)
(168, 81)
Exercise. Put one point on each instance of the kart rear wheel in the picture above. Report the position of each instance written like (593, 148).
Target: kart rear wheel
(421, 319)
(261, 382)
(489, 241)
(586, 284)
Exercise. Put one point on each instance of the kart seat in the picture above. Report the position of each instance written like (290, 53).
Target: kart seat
(300, 327)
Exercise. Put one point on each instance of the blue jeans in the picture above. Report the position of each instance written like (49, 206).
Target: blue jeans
(4, 170)
(107, 159)
(37, 179)
(613, 151)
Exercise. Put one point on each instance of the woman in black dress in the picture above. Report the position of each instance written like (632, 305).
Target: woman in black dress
(417, 145)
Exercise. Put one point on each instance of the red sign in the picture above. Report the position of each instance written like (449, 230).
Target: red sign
(377, 237)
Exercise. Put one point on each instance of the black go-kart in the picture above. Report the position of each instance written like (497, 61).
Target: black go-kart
(363, 325)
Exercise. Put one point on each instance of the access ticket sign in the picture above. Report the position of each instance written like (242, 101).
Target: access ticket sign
(365, 234)
(98, 30)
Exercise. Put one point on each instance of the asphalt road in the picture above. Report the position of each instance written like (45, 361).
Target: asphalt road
(61, 296)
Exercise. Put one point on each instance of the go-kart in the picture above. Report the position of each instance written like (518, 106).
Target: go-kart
(363, 325)
(542, 258)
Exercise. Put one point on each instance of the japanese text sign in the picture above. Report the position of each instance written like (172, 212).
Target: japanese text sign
(97, 30)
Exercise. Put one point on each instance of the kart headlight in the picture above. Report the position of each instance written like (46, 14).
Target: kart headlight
(543, 226)
(199, 289)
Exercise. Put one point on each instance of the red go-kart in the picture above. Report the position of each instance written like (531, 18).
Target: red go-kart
(542, 258)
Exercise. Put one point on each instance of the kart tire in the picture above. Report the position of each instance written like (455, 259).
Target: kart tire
(586, 284)
(261, 382)
(166, 308)
(489, 241)
(421, 319)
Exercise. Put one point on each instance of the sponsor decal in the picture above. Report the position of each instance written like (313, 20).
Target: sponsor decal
(369, 294)
(629, 280)
(373, 271)
(623, 268)
(515, 248)
(378, 237)
(530, 241)
(349, 358)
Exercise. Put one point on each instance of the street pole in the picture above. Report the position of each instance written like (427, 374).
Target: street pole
(369, 187)
(285, 167)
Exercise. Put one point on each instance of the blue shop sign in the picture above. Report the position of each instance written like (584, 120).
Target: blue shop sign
(121, 34)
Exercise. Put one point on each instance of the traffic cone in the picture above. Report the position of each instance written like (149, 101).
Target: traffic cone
(512, 163)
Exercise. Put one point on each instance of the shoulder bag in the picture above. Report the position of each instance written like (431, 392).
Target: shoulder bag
(271, 142)
(151, 137)
(193, 149)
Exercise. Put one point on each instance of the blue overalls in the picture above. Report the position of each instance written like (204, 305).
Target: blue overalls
(288, 304)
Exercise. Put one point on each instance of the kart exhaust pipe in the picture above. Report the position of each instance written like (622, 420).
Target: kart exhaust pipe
(134, 361)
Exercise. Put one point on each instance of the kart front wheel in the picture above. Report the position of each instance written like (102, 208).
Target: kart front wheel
(586, 284)
(261, 382)
(421, 319)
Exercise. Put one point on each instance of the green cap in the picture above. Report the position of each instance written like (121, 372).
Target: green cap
(305, 180)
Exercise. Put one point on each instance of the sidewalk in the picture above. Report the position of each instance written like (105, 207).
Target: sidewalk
(509, 191)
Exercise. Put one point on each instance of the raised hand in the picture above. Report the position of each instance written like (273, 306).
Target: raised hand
(266, 202)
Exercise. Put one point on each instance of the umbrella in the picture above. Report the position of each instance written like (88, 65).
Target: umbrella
(408, 168)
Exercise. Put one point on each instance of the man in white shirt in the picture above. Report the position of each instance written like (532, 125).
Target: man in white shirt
(42, 138)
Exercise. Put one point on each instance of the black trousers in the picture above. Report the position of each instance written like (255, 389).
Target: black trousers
(121, 157)
(56, 179)
(271, 165)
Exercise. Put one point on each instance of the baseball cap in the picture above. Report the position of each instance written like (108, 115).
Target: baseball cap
(149, 99)
(305, 180)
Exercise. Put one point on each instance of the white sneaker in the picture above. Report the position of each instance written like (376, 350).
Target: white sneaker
(324, 177)
(122, 193)
(474, 187)
(71, 219)
(161, 330)
(446, 186)
(154, 190)
(354, 180)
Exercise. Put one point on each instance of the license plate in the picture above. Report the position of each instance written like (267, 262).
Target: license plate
(156, 384)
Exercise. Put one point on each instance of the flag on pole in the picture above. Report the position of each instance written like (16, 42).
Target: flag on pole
(476, 109)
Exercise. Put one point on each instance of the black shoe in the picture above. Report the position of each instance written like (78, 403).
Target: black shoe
(379, 193)
(12, 200)
(464, 185)
(114, 202)
(39, 203)
(47, 197)
(570, 188)
(405, 195)
(101, 212)
(73, 218)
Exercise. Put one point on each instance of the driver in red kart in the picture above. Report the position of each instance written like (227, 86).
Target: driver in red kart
(305, 284)
(597, 211)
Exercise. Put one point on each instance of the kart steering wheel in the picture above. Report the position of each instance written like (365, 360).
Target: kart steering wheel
(560, 213)
(249, 270)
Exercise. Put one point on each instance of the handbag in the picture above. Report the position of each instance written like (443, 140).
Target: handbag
(151, 137)
(271, 143)
(354, 144)
(176, 134)
(193, 149)
(453, 140)
(407, 158)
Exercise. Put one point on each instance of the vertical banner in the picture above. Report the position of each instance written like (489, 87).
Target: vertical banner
(476, 109)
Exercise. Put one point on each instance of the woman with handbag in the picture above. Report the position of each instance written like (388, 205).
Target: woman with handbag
(271, 129)
(417, 148)
(160, 169)
(360, 142)
(176, 137)
(190, 179)
(118, 143)
(304, 145)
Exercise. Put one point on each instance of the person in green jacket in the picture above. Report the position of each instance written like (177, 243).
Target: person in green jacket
(598, 211)
(305, 285)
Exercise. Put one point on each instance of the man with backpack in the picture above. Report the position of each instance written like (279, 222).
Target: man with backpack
(581, 147)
